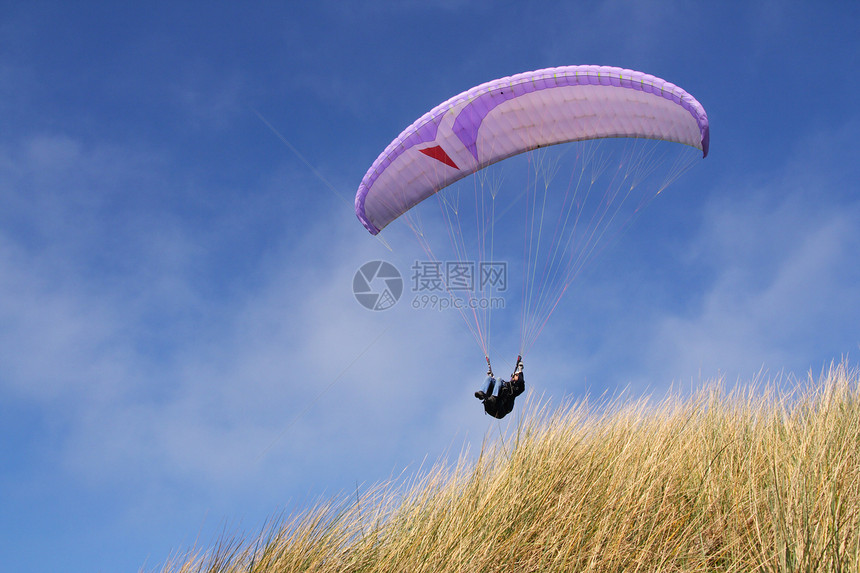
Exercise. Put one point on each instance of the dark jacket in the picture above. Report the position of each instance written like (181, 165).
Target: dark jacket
(502, 405)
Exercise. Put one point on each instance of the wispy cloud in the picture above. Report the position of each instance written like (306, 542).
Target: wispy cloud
(158, 381)
(779, 288)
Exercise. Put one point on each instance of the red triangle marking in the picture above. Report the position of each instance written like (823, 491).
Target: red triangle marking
(439, 154)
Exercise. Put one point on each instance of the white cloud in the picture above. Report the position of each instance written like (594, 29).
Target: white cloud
(779, 288)
(215, 395)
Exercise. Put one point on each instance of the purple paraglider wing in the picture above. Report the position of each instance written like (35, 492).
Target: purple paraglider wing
(498, 119)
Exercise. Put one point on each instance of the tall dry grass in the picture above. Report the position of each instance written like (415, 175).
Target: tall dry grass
(742, 480)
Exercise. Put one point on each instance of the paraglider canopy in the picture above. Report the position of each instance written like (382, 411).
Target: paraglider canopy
(511, 115)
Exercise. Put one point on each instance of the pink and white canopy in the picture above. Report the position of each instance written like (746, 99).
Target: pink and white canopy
(511, 115)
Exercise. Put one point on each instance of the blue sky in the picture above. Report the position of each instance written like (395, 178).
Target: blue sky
(180, 350)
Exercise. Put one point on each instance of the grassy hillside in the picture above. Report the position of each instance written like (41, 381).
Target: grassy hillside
(721, 481)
